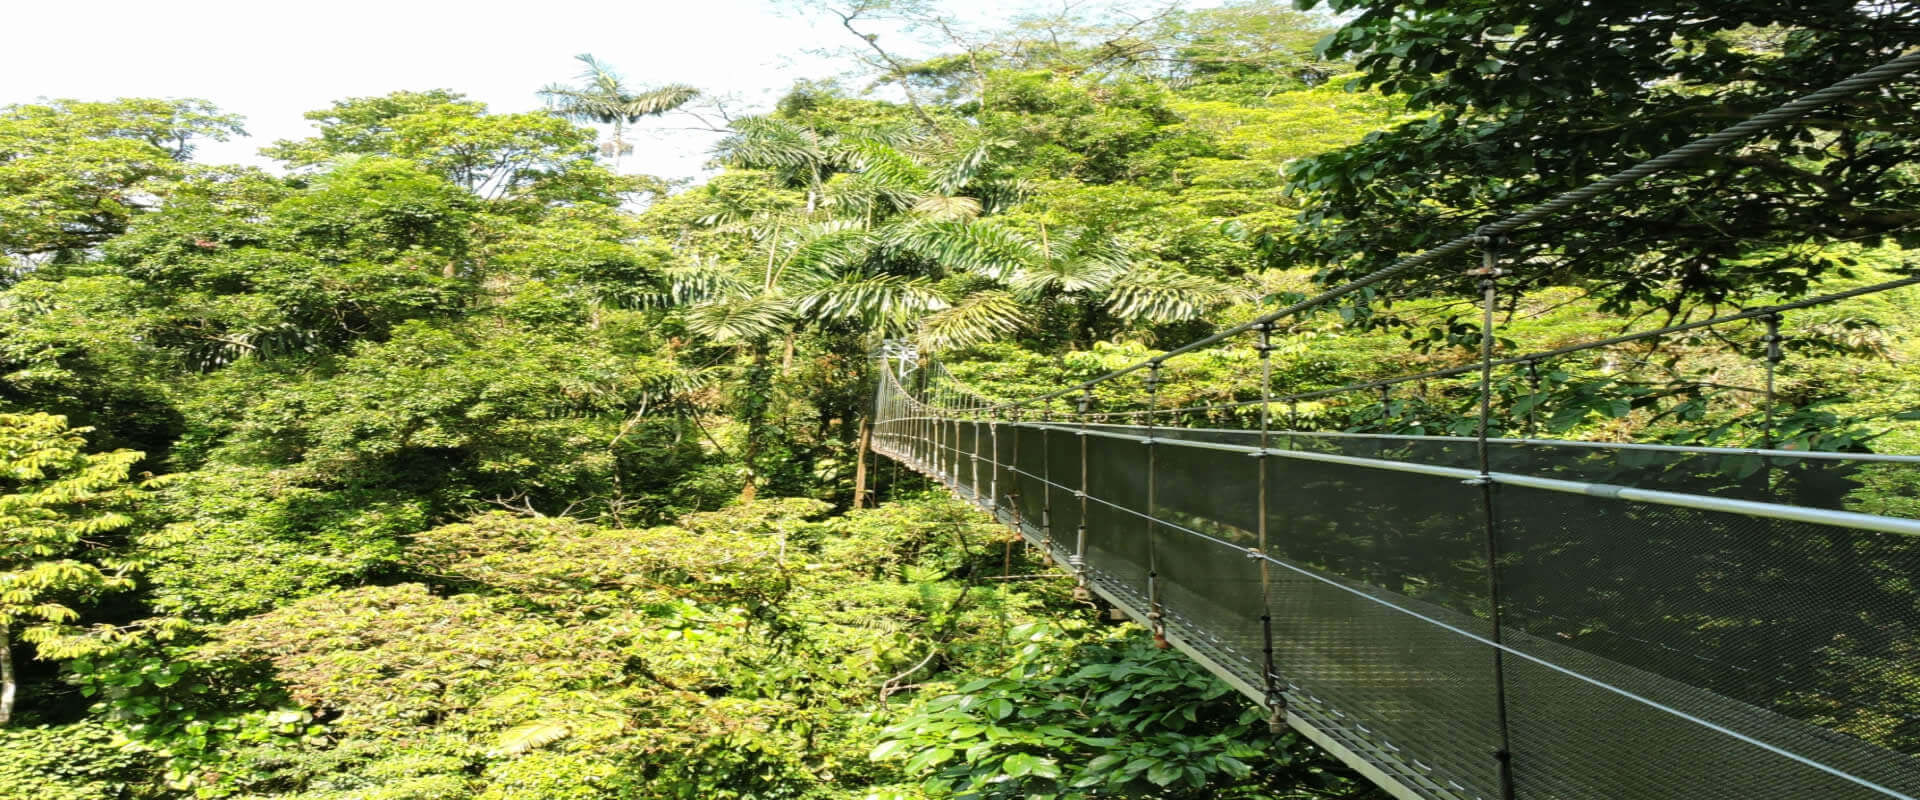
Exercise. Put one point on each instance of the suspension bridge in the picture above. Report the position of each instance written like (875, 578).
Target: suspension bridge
(1499, 615)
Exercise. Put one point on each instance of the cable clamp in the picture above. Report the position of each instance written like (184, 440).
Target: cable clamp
(1482, 480)
(1255, 553)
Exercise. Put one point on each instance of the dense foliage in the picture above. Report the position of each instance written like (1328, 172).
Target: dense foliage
(448, 460)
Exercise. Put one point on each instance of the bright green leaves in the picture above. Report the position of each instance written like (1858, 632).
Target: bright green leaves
(980, 317)
(74, 173)
(59, 509)
(1098, 717)
(490, 155)
(1530, 99)
(70, 762)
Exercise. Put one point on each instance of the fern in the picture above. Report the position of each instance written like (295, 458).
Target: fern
(523, 739)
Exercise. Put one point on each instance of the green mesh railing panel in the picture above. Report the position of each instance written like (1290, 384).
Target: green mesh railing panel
(1647, 650)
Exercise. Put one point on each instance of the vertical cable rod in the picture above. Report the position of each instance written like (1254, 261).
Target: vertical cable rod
(1269, 677)
(1775, 354)
(1079, 559)
(1155, 613)
(1489, 273)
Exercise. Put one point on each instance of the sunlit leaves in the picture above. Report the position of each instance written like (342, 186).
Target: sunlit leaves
(73, 173)
(740, 320)
(980, 247)
(58, 506)
(885, 302)
(980, 317)
(1161, 296)
(1097, 718)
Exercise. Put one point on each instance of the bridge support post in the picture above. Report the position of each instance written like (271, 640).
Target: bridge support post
(974, 465)
(1775, 354)
(1079, 558)
(1276, 698)
(1046, 483)
(1533, 395)
(1489, 273)
(1156, 614)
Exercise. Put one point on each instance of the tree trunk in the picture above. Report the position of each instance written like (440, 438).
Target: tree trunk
(7, 679)
(860, 466)
(759, 390)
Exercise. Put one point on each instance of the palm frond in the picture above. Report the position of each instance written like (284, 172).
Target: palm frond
(888, 166)
(739, 320)
(887, 301)
(1161, 296)
(767, 143)
(703, 281)
(999, 194)
(948, 208)
(523, 739)
(977, 246)
(954, 174)
(1062, 276)
(604, 96)
(659, 100)
(979, 318)
(822, 250)
(859, 195)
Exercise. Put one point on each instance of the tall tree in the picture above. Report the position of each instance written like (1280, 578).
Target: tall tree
(603, 97)
(492, 155)
(1524, 100)
(74, 173)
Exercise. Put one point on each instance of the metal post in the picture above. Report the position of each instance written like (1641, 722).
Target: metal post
(975, 484)
(1046, 480)
(1533, 396)
(1155, 614)
(1386, 407)
(993, 464)
(1079, 559)
(1489, 272)
(1013, 497)
(1776, 353)
(938, 456)
(1275, 698)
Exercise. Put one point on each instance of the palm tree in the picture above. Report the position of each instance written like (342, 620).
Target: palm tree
(902, 217)
(604, 98)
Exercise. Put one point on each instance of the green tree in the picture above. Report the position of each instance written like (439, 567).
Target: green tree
(1523, 100)
(494, 156)
(74, 173)
(59, 504)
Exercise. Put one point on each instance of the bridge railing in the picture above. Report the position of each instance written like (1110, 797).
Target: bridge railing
(1484, 616)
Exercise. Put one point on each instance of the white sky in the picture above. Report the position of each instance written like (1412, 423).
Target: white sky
(272, 60)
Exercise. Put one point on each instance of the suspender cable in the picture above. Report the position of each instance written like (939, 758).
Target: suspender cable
(1489, 272)
(1155, 612)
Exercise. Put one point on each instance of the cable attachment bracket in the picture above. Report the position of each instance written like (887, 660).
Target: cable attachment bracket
(1776, 351)
(1490, 245)
(1276, 711)
(1264, 345)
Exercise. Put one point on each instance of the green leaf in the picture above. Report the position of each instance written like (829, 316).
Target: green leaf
(928, 759)
(1164, 773)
